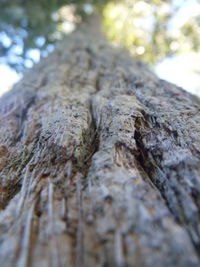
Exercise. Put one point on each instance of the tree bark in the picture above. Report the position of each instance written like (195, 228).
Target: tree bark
(99, 163)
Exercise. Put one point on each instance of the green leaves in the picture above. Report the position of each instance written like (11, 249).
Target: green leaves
(141, 26)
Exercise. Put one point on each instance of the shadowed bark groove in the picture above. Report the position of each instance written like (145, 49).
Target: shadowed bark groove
(99, 163)
(160, 176)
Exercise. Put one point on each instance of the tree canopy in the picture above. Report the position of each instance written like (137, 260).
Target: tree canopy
(28, 29)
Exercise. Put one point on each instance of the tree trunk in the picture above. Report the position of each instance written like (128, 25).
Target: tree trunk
(99, 163)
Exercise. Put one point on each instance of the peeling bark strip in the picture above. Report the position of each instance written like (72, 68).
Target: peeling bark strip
(99, 163)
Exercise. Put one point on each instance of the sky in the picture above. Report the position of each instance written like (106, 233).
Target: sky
(7, 78)
(178, 69)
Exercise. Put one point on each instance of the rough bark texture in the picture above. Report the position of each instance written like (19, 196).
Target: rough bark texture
(99, 163)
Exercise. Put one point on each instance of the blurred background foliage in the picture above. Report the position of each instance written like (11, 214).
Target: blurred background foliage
(151, 30)
(144, 28)
(29, 28)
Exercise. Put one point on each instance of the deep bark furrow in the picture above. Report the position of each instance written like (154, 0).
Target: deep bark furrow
(168, 115)
(117, 150)
(174, 196)
(23, 117)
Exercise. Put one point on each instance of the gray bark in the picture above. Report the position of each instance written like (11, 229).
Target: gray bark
(99, 163)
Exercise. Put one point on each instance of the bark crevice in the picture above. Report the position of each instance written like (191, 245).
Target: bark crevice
(23, 118)
(159, 177)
